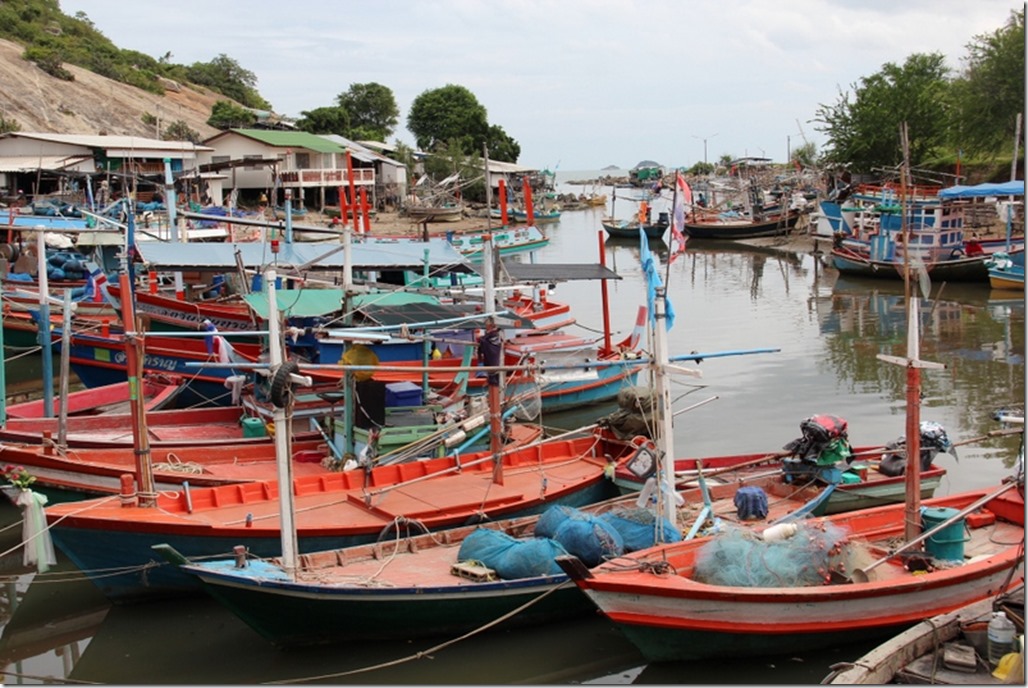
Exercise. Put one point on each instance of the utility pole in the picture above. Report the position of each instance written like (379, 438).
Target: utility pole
(704, 139)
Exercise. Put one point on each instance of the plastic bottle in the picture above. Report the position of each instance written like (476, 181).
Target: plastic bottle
(1000, 637)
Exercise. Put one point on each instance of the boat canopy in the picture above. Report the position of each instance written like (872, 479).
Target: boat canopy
(557, 272)
(1012, 188)
(306, 303)
(439, 254)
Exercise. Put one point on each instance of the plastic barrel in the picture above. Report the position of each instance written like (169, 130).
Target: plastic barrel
(948, 543)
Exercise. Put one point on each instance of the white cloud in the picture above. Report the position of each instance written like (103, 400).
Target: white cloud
(586, 82)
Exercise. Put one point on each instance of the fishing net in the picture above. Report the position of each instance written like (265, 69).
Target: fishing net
(738, 557)
(640, 528)
(527, 403)
(584, 535)
(634, 415)
(510, 557)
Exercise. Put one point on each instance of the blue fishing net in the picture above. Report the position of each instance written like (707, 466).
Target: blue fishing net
(590, 539)
(551, 519)
(510, 557)
(738, 557)
(640, 528)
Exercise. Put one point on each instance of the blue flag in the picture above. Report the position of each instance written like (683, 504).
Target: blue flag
(653, 281)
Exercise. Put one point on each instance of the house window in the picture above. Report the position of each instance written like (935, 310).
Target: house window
(303, 161)
(252, 157)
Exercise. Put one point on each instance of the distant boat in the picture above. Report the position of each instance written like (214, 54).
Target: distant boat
(730, 227)
(1006, 271)
(428, 213)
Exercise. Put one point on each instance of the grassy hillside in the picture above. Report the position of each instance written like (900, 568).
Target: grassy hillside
(52, 40)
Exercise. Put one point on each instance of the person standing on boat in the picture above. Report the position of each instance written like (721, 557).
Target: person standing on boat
(490, 350)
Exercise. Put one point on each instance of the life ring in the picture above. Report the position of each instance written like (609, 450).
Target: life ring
(281, 384)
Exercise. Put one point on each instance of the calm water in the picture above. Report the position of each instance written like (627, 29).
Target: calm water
(828, 330)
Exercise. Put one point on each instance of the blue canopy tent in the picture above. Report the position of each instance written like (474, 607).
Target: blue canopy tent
(1013, 188)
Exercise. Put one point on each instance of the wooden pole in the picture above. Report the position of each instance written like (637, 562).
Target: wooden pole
(528, 202)
(504, 220)
(353, 191)
(133, 364)
(603, 295)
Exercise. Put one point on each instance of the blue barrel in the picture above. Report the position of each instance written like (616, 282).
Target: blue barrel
(948, 543)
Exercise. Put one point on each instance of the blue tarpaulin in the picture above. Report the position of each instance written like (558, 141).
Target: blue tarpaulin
(1014, 188)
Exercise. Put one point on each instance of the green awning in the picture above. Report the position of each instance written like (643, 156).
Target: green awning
(306, 303)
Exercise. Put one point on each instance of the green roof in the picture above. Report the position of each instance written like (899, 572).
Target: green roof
(292, 139)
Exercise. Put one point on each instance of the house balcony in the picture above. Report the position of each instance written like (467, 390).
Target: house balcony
(364, 176)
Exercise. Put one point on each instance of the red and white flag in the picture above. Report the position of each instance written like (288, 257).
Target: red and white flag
(683, 195)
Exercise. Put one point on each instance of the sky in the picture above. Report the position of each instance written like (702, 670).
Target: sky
(579, 84)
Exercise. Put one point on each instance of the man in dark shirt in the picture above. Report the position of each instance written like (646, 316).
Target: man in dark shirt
(490, 350)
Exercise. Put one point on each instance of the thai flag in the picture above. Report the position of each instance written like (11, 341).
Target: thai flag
(216, 344)
(96, 285)
(683, 195)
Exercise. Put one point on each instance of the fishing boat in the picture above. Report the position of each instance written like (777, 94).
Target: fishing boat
(829, 580)
(731, 226)
(947, 649)
(629, 229)
(111, 542)
(100, 360)
(435, 213)
(76, 472)
(158, 391)
(506, 241)
(668, 602)
(407, 585)
(1005, 271)
(860, 486)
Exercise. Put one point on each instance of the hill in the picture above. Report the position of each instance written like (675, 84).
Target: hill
(91, 104)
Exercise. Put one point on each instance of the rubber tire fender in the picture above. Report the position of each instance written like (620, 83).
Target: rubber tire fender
(281, 384)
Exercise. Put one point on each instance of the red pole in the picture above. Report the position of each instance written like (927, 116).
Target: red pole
(353, 191)
(528, 202)
(364, 211)
(344, 208)
(603, 294)
(504, 220)
(133, 357)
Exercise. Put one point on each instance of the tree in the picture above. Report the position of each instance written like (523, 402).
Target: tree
(325, 120)
(227, 115)
(180, 131)
(865, 131)
(8, 124)
(447, 114)
(372, 111)
(227, 77)
(990, 91)
(805, 155)
(501, 146)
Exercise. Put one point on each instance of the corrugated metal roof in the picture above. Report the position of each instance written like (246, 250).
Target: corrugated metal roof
(379, 254)
(291, 139)
(108, 142)
(556, 272)
(31, 163)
